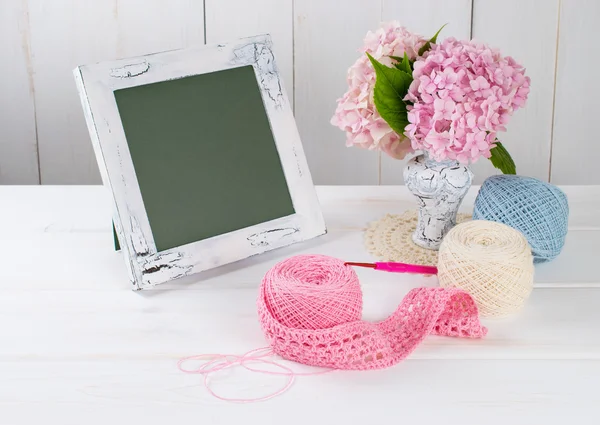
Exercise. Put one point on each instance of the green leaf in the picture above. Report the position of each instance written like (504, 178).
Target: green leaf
(433, 39)
(502, 160)
(391, 86)
(404, 63)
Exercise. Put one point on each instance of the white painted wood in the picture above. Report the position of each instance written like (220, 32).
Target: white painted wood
(575, 152)
(354, 205)
(67, 232)
(228, 20)
(427, 16)
(80, 347)
(67, 33)
(346, 208)
(18, 140)
(147, 27)
(327, 36)
(96, 84)
(424, 17)
(98, 390)
(531, 40)
(220, 316)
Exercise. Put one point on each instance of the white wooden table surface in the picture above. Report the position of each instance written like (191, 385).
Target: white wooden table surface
(77, 346)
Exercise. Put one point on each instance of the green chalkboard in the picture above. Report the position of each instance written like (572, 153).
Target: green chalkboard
(204, 155)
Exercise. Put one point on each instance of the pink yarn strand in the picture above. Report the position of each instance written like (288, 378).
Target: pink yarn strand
(268, 352)
(225, 361)
(257, 399)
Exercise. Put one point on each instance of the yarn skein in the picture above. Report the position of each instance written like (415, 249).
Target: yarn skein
(537, 209)
(491, 261)
(313, 293)
(310, 306)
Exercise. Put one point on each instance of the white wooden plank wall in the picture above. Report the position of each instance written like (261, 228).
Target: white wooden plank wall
(18, 146)
(529, 135)
(327, 37)
(59, 35)
(43, 138)
(63, 34)
(576, 149)
(231, 19)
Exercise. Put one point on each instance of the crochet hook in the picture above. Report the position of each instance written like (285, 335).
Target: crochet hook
(397, 267)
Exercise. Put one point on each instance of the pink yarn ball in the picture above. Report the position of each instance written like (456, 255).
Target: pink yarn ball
(312, 292)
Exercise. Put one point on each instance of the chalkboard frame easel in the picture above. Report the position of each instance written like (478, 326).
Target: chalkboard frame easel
(146, 265)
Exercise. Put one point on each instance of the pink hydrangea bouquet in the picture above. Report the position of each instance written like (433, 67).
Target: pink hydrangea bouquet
(449, 99)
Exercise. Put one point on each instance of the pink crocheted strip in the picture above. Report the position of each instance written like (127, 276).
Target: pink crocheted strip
(363, 345)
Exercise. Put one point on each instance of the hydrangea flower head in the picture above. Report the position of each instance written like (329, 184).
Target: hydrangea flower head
(356, 113)
(462, 95)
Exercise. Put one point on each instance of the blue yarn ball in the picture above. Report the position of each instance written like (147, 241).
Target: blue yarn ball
(537, 209)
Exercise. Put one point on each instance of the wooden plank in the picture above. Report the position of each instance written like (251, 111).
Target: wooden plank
(148, 28)
(327, 37)
(350, 208)
(227, 20)
(18, 139)
(88, 209)
(528, 138)
(75, 259)
(151, 391)
(67, 233)
(219, 315)
(575, 151)
(424, 17)
(67, 33)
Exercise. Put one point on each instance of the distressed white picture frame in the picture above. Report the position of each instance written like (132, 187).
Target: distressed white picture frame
(146, 266)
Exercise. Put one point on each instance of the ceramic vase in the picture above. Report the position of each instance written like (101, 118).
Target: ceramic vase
(439, 188)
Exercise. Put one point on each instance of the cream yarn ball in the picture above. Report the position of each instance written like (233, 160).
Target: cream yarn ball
(491, 261)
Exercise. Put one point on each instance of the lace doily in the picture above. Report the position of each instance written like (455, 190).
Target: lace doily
(390, 239)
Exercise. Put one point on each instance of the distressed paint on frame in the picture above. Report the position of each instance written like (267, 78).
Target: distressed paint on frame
(146, 266)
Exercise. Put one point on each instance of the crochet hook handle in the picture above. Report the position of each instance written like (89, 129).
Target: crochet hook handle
(397, 267)
(405, 268)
